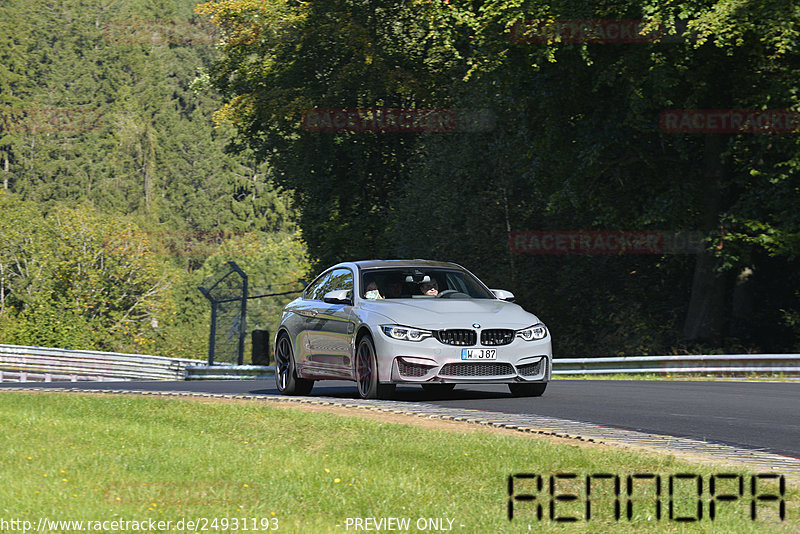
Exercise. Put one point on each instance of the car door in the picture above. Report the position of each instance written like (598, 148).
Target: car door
(306, 310)
(333, 328)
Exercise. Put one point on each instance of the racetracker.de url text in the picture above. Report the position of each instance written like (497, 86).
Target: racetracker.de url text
(198, 524)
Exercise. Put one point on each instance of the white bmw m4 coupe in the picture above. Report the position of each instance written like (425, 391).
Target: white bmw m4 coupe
(387, 322)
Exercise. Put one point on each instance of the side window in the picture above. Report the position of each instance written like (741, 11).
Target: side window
(315, 290)
(339, 279)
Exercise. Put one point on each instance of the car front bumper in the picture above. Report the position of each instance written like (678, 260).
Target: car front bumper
(431, 361)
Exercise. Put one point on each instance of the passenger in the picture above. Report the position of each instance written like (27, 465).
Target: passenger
(430, 289)
(372, 292)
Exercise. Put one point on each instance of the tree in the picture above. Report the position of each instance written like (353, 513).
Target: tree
(13, 42)
(282, 59)
(77, 278)
(610, 166)
(577, 145)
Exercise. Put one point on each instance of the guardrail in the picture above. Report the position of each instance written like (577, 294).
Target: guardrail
(229, 372)
(43, 364)
(725, 364)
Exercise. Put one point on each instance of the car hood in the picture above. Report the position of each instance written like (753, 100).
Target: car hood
(456, 313)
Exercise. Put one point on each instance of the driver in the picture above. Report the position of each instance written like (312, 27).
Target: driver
(429, 288)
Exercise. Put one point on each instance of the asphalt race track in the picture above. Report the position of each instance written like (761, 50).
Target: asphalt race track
(753, 415)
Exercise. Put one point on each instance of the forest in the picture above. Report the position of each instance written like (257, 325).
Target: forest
(118, 195)
(565, 151)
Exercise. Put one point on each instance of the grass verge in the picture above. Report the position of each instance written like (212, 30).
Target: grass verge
(69, 457)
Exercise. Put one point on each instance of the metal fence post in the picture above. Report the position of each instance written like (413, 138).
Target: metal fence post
(260, 347)
(212, 333)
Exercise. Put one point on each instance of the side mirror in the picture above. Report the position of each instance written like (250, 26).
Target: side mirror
(502, 294)
(340, 296)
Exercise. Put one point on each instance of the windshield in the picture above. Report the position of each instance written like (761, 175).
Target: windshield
(421, 282)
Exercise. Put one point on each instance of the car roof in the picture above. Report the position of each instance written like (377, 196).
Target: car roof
(373, 264)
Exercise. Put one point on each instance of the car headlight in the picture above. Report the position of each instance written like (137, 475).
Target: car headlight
(533, 333)
(405, 333)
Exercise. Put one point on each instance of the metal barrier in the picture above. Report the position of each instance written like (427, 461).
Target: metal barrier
(42, 364)
(725, 364)
(229, 372)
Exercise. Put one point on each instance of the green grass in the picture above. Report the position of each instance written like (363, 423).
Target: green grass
(89, 457)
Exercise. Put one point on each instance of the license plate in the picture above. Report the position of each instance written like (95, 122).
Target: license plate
(478, 354)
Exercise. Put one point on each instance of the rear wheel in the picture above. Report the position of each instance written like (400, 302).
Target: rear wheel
(285, 375)
(527, 390)
(367, 372)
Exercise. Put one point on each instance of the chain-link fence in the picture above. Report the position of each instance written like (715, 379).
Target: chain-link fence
(227, 292)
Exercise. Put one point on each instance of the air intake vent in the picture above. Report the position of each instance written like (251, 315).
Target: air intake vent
(463, 338)
(477, 369)
(413, 370)
(497, 336)
(531, 369)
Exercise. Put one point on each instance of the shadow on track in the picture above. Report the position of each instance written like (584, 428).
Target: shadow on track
(404, 394)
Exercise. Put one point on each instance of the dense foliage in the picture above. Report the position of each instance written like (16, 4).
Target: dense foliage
(121, 195)
(118, 197)
(575, 144)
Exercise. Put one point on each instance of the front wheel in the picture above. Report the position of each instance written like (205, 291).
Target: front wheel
(367, 372)
(285, 375)
(527, 390)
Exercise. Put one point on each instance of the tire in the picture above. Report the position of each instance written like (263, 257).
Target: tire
(527, 390)
(286, 378)
(367, 372)
(438, 389)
